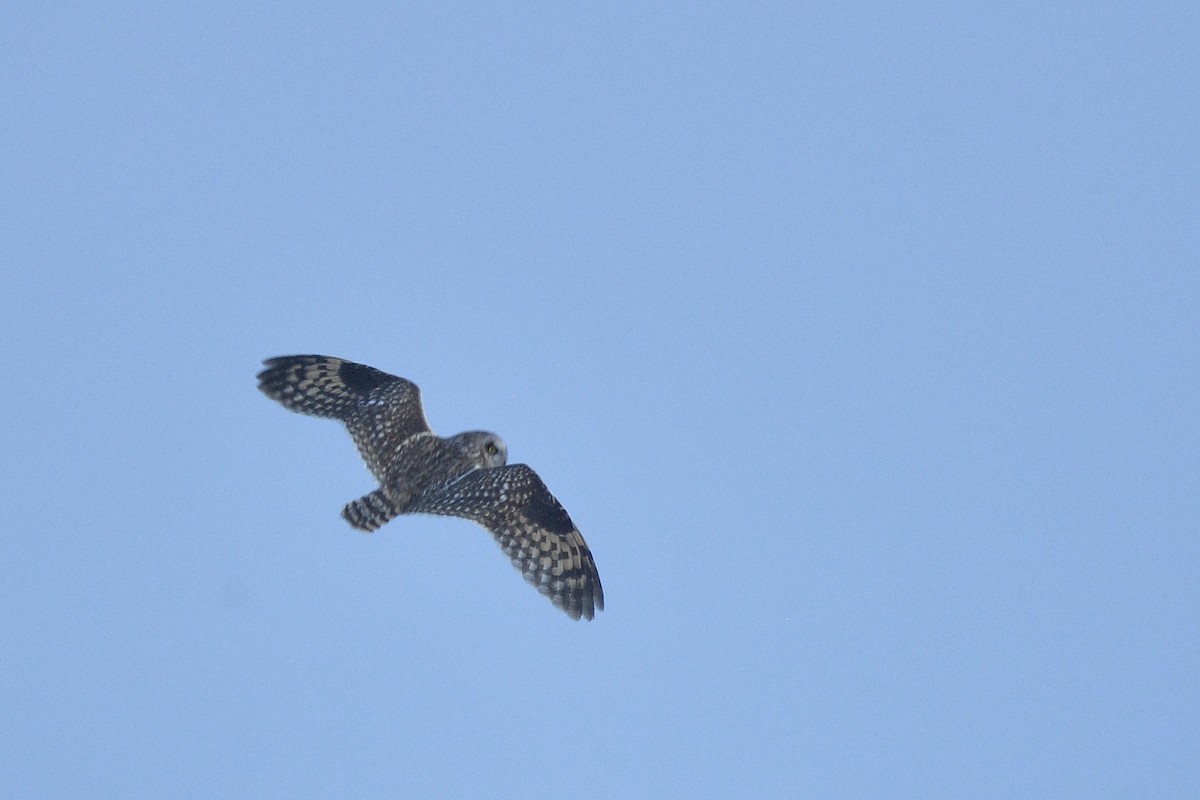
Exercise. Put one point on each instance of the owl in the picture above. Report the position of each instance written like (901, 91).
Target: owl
(466, 475)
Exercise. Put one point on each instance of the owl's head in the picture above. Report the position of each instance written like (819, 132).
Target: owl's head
(483, 449)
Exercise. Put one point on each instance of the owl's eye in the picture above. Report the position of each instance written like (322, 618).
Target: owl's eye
(491, 448)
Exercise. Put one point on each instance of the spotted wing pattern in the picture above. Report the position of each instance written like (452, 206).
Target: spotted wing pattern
(532, 528)
(379, 409)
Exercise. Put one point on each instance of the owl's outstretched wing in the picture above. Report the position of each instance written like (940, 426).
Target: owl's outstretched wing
(380, 410)
(532, 528)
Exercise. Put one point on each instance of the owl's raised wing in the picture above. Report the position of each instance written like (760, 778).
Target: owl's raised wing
(380, 410)
(532, 528)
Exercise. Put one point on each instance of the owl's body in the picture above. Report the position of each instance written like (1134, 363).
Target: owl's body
(466, 475)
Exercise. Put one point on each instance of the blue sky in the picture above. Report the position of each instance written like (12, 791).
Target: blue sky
(860, 341)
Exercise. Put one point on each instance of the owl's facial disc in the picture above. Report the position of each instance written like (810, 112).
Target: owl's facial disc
(494, 451)
(485, 449)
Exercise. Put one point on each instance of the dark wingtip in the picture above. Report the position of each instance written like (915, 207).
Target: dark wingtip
(273, 381)
(274, 366)
(269, 376)
(598, 593)
(311, 358)
(586, 604)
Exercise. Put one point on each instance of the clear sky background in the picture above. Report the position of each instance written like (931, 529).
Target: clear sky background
(860, 340)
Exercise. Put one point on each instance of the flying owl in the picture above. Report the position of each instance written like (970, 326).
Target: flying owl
(465, 475)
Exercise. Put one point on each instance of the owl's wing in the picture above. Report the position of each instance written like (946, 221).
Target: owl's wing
(380, 410)
(532, 528)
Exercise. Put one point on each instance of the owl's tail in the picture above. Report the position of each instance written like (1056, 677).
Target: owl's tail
(369, 512)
